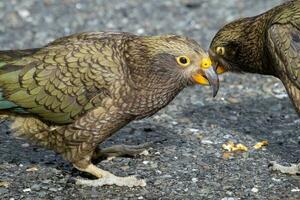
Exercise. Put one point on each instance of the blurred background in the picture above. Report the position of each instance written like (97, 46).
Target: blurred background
(31, 23)
(186, 160)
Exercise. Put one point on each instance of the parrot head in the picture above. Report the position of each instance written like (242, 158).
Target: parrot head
(178, 59)
(238, 47)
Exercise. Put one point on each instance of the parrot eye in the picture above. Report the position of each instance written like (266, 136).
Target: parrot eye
(183, 61)
(220, 51)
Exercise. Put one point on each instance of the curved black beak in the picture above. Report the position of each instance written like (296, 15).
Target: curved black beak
(213, 79)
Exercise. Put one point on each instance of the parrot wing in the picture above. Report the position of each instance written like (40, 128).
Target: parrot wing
(60, 81)
(284, 48)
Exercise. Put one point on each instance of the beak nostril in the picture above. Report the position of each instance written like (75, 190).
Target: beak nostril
(205, 63)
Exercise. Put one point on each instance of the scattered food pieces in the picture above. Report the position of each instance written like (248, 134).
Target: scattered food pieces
(32, 169)
(227, 155)
(261, 144)
(231, 147)
(4, 184)
(228, 146)
(241, 147)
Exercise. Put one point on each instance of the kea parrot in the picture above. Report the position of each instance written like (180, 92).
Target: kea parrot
(266, 44)
(76, 91)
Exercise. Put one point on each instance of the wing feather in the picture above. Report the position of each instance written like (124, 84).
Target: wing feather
(284, 47)
(64, 79)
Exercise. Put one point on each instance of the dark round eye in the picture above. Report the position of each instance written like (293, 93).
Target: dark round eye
(220, 51)
(183, 61)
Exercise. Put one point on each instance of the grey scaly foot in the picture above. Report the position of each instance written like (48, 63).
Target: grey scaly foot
(294, 169)
(107, 178)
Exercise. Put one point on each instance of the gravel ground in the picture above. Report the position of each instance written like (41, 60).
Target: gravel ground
(186, 160)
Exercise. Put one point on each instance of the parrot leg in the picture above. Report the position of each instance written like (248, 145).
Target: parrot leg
(294, 169)
(107, 178)
(121, 150)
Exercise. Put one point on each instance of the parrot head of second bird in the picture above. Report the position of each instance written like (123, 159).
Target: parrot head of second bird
(178, 58)
(238, 47)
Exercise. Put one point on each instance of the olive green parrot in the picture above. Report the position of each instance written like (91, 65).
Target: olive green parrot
(77, 91)
(266, 44)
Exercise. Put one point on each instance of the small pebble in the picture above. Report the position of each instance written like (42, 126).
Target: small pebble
(194, 180)
(295, 190)
(145, 162)
(255, 190)
(53, 189)
(24, 13)
(27, 190)
(206, 142)
(228, 198)
(3, 191)
(276, 180)
(46, 181)
(194, 130)
(25, 145)
(32, 169)
(36, 187)
(140, 31)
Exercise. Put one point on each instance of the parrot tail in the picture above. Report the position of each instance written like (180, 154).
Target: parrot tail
(33, 129)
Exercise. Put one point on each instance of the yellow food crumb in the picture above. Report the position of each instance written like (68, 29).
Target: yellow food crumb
(227, 155)
(261, 144)
(230, 146)
(241, 147)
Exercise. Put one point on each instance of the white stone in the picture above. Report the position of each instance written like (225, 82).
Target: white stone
(195, 180)
(255, 190)
(24, 13)
(27, 190)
